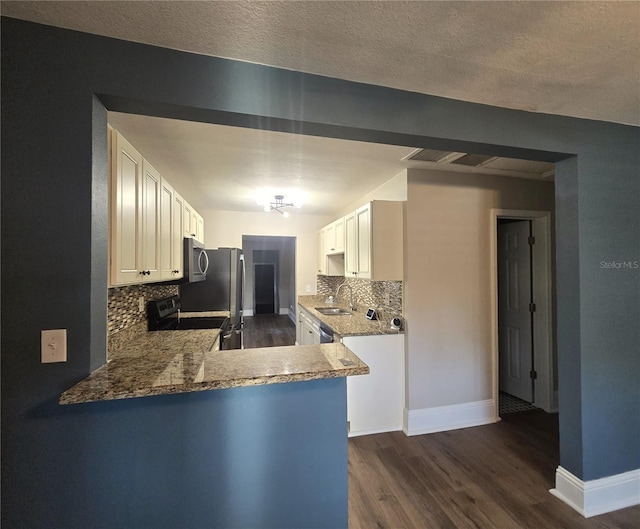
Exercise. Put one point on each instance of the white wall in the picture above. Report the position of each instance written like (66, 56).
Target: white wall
(393, 189)
(447, 278)
(226, 228)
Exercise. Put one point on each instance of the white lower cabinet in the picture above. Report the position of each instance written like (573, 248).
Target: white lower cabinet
(375, 402)
(308, 328)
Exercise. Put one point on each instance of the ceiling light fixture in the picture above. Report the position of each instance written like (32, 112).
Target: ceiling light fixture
(278, 204)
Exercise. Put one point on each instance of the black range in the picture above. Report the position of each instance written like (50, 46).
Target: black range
(164, 315)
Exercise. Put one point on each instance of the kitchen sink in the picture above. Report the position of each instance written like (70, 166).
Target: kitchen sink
(332, 311)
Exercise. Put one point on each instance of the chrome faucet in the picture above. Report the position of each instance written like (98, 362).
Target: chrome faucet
(352, 307)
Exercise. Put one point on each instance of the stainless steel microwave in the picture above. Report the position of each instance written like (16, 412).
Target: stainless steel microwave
(196, 261)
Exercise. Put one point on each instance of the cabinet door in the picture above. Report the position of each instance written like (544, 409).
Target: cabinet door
(177, 236)
(187, 216)
(166, 230)
(350, 245)
(150, 216)
(330, 239)
(363, 236)
(339, 235)
(126, 176)
(307, 332)
(199, 228)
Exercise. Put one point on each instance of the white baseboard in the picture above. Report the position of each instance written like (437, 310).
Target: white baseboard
(443, 418)
(598, 496)
(358, 433)
(284, 312)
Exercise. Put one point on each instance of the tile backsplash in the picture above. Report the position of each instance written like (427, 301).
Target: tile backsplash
(122, 304)
(366, 293)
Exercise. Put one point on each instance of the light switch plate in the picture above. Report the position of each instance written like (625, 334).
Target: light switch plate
(53, 346)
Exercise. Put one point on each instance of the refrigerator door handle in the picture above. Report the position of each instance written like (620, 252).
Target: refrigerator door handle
(243, 284)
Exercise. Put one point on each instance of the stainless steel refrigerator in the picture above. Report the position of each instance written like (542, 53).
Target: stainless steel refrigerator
(223, 289)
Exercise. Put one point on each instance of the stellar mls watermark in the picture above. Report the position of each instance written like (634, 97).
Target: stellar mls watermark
(620, 265)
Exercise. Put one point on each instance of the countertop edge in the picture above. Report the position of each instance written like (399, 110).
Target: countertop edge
(215, 385)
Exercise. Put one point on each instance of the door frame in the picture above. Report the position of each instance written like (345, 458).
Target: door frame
(541, 270)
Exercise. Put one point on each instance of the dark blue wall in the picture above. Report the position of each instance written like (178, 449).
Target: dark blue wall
(54, 85)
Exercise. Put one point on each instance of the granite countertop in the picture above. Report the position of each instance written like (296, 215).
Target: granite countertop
(165, 362)
(207, 314)
(354, 324)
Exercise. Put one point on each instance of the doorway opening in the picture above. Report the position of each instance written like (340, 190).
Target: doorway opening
(522, 311)
(265, 287)
(271, 275)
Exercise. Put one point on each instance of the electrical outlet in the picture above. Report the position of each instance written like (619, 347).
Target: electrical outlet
(53, 346)
(308, 289)
(141, 304)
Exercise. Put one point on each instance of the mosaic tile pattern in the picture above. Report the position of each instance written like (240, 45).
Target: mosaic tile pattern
(366, 293)
(122, 304)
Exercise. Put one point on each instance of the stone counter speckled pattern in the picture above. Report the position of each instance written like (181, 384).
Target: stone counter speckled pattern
(354, 324)
(166, 362)
(206, 314)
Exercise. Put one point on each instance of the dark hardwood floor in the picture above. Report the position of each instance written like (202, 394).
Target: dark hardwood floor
(268, 330)
(495, 476)
(489, 477)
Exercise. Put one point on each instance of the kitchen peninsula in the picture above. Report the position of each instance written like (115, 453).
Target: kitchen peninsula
(159, 363)
(375, 403)
(252, 437)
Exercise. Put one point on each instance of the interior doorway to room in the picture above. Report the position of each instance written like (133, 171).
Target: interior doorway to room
(515, 308)
(522, 302)
(265, 288)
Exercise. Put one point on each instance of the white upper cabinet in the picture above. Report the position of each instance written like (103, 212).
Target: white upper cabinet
(125, 229)
(177, 236)
(150, 214)
(148, 220)
(351, 245)
(199, 227)
(331, 249)
(334, 237)
(374, 241)
(193, 223)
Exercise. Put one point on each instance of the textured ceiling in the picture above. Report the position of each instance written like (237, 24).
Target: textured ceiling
(571, 58)
(578, 59)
